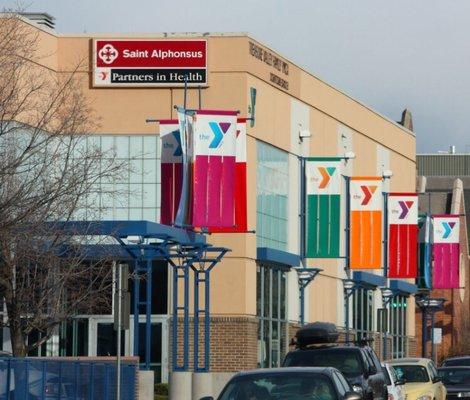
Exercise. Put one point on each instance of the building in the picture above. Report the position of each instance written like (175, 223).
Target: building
(255, 289)
(444, 183)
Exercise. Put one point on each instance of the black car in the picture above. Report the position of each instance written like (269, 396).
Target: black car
(288, 384)
(457, 381)
(461, 361)
(358, 363)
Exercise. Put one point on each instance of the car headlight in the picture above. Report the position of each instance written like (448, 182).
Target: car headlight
(357, 388)
(463, 394)
(425, 397)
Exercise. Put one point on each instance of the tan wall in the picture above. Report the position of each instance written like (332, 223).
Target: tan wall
(232, 71)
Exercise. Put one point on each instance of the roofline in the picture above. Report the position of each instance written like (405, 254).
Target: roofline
(217, 34)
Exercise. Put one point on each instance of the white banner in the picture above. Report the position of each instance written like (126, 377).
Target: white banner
(172, 151)
(402, 209)
(323, 177)
(446, 228)
(215, 133)
(366, 194)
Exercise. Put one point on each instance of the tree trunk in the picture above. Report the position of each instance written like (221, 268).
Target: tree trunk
(18, 341)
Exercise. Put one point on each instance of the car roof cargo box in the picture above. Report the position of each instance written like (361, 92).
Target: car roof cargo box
(316, 333)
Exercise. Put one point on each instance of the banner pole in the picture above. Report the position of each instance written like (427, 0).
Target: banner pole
(385, 241)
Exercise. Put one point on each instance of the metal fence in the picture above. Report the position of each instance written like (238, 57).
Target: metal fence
(48, 379)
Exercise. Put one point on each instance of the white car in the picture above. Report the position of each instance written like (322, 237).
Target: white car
(394, 385)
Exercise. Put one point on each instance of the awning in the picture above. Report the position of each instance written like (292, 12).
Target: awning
(403, 288)
(366, 280)
(279, 258)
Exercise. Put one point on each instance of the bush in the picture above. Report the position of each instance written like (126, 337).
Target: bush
(161, 389)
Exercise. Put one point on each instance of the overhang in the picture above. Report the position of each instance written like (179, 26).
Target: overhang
(274, 257)
(368, 280)
(402, 287)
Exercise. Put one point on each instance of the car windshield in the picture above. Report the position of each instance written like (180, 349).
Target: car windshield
(348, 361)
(457, 362)
(455, 376)
(411, 373)
(276, 386)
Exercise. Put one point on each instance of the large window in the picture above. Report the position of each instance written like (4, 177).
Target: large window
(272, 197)
(134, 195)
(397, 324)
(363, 311)
(271, 309)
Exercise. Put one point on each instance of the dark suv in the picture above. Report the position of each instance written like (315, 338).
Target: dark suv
(359, 364)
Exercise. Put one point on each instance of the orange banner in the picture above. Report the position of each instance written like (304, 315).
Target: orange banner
(366, 223)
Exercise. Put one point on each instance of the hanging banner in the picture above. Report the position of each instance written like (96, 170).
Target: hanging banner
(186, 127)
(402, 209)
(366, 201)
(323, 191)
(446, 251)
(214, 169)
(424, 250)
(241, 224)
(171, 169)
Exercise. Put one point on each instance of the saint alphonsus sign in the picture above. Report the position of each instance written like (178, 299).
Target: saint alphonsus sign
(148, 62)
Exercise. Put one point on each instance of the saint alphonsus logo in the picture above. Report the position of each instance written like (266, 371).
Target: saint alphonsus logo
(108, 54)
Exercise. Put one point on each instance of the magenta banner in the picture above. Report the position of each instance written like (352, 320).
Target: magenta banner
(446, 251)
(171, 170)
(214, 161)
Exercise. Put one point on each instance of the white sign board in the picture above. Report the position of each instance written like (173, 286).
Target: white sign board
(437, 335)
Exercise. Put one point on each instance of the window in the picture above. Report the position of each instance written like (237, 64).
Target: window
(272, 314)
(397, 324)
(272, 197)
(73, 338)
(135, 195)
(363, 311)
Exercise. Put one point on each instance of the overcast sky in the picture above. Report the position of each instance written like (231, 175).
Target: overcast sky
(389, 54)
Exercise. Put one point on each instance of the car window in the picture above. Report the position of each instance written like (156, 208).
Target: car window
(374, 358)
(387, 376)
(455, 376)
(348, 361)
(433, 369)
(412, 373)
(457, 362)
(307, 386)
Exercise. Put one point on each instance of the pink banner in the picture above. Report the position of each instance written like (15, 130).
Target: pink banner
(214, 169)
(446, 251)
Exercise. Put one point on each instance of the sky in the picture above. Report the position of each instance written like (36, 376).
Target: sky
(390, 55)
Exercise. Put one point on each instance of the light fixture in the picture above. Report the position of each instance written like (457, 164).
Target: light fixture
(435, 303)
(349, 155)
(387, 174)
(348, 284)
(135, 239)
(387, 293)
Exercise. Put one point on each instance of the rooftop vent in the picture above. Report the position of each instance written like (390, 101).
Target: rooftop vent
(40, 18)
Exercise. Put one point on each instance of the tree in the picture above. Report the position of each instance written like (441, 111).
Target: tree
(48, 174)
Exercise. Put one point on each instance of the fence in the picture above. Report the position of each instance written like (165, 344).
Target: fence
(48, 379)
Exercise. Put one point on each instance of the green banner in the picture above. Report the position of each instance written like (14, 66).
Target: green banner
(323, 187)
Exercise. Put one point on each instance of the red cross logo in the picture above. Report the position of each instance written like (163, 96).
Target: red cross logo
(108, 54)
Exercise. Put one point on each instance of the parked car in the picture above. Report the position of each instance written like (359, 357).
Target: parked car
(421, 378)
(457, 382)
(461, 361)
(288, 384)
(394, 385)
(317, 347)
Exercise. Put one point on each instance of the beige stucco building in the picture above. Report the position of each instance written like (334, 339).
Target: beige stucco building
(296, 115)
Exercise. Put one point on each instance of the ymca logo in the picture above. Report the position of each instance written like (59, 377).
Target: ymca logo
(405, 208)
(368, 193)
(218, 129)
(108, 54)
(326, 174)
(179, 151)
(448, 226)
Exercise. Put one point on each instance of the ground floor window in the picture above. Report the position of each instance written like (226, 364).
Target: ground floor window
(398, 326)
(271, 296)
(363, 312)
(73, 338)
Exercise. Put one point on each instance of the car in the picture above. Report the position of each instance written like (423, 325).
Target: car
(317, 346)
(394, 385)
(460, 361)
(422, 381)
(457, 382)
(288, 384)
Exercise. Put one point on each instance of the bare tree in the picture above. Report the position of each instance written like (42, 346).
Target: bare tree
(48, 175)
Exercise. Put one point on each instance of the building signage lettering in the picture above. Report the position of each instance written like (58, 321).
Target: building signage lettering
(273, 61)
(149, 62)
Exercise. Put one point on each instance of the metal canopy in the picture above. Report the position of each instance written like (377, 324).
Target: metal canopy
(141, 242)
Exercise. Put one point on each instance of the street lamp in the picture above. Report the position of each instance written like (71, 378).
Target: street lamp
(387, 296)
(429, 305)
(305, 276)
(350, 286)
